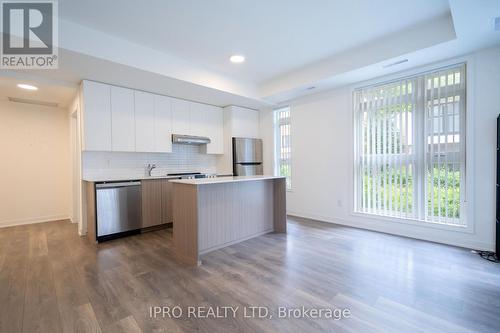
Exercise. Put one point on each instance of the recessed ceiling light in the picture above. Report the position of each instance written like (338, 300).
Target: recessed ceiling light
(237, 58)
(27, 86)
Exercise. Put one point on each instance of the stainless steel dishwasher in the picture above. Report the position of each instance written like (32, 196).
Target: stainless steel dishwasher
(118, 207)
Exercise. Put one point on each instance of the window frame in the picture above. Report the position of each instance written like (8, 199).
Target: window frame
(277, 122)
(467, 204)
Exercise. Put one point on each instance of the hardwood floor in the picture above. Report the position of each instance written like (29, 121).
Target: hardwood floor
(51, 280)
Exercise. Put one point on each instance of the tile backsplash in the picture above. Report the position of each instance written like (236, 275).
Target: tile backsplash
(184, 158)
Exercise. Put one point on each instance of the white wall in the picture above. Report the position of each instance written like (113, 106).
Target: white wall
(74, 116)
(322, 158)
(35, 166)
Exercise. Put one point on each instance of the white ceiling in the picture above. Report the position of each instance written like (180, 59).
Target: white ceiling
(48, 92)
(73, 67)
(469, 28)
(181, 48)
(275, 36)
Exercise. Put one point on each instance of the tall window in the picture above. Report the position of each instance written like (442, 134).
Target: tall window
(283, 144)
(411, 147)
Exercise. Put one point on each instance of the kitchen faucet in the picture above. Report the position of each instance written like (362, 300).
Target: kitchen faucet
(150, 168)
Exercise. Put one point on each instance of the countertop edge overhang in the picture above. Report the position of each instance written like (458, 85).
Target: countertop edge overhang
(98, 179)
(222, 180)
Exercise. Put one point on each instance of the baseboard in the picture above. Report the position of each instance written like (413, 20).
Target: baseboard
(42, 219)
(468, 244)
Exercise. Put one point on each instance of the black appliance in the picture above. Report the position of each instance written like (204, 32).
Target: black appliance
(191, 175)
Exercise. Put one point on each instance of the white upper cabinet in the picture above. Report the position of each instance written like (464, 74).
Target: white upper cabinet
(238, 122)
(96, 103)
(180, 116)
(215, 130)
(163, 124)
(122, 119)
(207, 120)
(126, 120)
(197, 123)
(144, 121)
(245, 123)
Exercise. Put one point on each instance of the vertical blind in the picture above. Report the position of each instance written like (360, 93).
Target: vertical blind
(283, 145)
(411, 147)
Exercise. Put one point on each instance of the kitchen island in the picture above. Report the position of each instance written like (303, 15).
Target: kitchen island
(211, 213)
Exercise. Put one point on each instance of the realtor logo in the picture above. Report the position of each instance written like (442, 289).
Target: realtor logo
(29, 35)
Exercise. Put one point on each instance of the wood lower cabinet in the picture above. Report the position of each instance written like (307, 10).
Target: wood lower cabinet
(156, 202)
(151, 203)
(89, 205)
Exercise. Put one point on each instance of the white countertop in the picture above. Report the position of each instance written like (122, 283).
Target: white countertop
(126, 178)
(219, 180)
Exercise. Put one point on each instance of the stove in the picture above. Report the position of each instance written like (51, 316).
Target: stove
(192, 175)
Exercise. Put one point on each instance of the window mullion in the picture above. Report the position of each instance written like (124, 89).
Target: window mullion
(406, 154)
(446, 128)
(373, 146)
(283, 144)
(400, 152)
(384, 142)
(389, 163)
(420, 148)
(378, 148)
(362, 149)
(439, 160)
(463, 151)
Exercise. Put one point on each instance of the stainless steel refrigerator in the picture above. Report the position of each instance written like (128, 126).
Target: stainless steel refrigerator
(247, 157)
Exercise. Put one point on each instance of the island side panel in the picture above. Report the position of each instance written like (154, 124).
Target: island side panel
(185, 226)
(280, 205)
(232, 212)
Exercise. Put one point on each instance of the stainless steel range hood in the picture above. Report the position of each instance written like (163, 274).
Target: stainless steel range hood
(190, 139)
